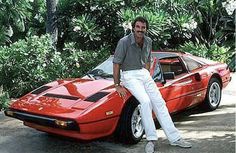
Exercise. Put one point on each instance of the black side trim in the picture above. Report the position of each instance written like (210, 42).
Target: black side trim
(97, 96)
(41, 89)
(61, 96)
(41, 120)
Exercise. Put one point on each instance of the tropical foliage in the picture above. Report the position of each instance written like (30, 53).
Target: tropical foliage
(27, 64)
(202, 50)
(4, 99)
(21, 18)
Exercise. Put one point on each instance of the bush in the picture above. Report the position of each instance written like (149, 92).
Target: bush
(215, 52)
(22, 65)
(28, 64)
(4, 99)
(79, 62)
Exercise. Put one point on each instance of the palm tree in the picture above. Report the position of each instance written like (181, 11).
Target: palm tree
(51, 26)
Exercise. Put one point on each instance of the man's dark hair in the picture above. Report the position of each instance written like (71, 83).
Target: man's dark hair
(141, 19)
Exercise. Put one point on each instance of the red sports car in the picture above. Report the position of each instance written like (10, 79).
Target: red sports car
(88, 108)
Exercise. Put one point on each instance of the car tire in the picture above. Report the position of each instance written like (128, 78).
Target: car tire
(213, 95)
(130, 129)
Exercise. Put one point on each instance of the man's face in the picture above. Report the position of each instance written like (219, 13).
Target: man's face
(140, 29)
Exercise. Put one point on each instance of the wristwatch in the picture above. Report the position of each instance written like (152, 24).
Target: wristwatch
(117, 84)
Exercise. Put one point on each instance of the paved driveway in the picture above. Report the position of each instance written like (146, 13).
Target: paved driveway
(209, 132)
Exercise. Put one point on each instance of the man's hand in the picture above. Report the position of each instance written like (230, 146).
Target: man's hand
(147, 66)
(121, 91)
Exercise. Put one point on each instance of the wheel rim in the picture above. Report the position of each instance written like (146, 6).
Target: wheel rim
(136, 123)
(214, 94)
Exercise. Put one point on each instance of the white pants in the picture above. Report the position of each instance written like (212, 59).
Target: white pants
(143, 88)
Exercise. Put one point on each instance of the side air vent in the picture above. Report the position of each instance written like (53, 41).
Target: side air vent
(41, 89)
(61, 96)
(97, 96)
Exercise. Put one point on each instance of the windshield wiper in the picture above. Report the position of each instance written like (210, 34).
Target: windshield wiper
(100, 73)
(90, 76)
(105, 75)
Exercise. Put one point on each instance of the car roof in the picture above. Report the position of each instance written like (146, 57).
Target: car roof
(167, 53)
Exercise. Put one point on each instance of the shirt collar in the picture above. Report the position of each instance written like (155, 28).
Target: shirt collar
(133, 39)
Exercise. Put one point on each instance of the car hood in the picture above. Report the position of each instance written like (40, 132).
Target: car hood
(64, 97)
(79, 88)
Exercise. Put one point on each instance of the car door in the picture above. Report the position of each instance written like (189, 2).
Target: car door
(196, 70)
(179, 91)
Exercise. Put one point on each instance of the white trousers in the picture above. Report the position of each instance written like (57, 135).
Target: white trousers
(143, 88)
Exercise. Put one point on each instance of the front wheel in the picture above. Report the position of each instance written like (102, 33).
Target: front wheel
(130, 129)
(213, 95)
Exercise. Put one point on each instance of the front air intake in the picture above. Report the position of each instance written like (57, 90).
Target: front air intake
(41, 89)
(97, 96)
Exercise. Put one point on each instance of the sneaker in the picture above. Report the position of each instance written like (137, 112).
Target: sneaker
(181, 143)
(149, 147)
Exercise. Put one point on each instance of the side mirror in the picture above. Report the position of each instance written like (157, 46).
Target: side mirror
(169, 75)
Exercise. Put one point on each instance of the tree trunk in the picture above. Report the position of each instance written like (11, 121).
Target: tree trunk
(51, 25)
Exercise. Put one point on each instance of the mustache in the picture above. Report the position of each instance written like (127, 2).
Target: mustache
(140, 31)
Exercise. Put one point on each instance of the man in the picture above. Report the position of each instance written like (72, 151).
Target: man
(133, 56)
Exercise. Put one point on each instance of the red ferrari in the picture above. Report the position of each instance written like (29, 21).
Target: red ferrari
(88, 108)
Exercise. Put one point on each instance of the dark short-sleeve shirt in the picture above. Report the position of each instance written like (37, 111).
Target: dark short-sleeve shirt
(130, 56)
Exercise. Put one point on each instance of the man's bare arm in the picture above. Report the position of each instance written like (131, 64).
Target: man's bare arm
(116, 75)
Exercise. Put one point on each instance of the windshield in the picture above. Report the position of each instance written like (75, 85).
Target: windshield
(106, 66)
(103, 70)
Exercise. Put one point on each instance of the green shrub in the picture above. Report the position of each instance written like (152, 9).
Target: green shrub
(79, 62)
(215, 52)
(85, 31)
(22, 65)
(28, 64)
(198, 50)
(4, 99)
